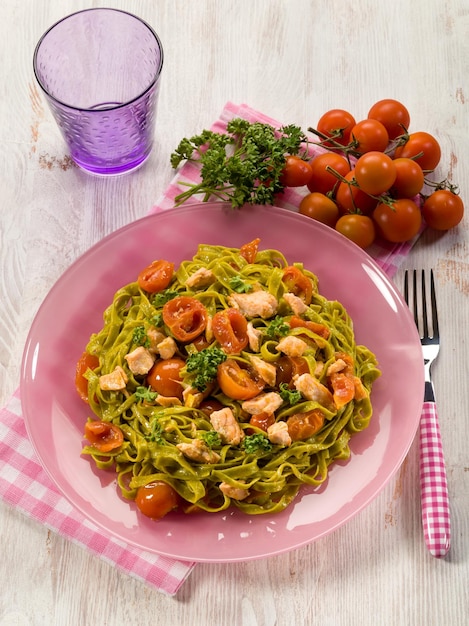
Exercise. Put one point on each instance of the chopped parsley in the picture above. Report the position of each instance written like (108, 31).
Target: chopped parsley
(145, 393)
(211, 438)
(139, 336)
(292, 396)
(239, 285)
(156, 433)
(204, 365)
(277, 328)
(256, 443)
(162, 297)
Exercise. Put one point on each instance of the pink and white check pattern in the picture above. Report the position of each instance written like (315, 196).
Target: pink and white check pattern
(433, 486)
(23, 482)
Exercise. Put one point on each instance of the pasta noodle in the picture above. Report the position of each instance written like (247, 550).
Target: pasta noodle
(266, 335)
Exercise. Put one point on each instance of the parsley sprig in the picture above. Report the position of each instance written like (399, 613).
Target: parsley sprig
(256, 443)
(204, 365)
(243, 165)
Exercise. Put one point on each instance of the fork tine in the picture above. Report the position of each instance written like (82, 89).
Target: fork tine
(424, 307)
(414, 292)
(436, 330)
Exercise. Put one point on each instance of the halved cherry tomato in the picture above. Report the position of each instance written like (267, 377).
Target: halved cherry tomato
(230, 329)
(304, 425)
(375, 172)
(236, 382)
(409, 178)
(156, 499)
(358, 228)
(165, 377)
(422, 147)
(103, 436)
(85, 362)
(249, 250)
(343, 387)
(262, 421)
(318, 329)
(369, 135)
(319, 207)
(288, 367)
(393, 115)
(186, 317)
(336, 123)
(296, 172)
(156, 276)
(297, 283)
(322, 179)
(443, 209)
(351, 199)
(210, 405)
(399, 222)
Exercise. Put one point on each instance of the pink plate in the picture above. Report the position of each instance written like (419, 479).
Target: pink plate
(55, 416)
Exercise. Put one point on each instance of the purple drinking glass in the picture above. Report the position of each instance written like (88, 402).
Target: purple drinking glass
(100, 72)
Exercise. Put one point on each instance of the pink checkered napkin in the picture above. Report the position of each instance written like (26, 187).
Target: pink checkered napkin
(25, 485)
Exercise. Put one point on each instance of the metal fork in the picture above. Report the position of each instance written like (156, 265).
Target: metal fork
(433, 484)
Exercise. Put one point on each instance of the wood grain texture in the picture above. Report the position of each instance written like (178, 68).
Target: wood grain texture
(292, 60)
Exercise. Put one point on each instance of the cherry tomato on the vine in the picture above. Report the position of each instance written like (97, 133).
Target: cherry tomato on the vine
(358, 228)
(323, 179)
(319, 207)
(296, 172)
(393, 115)
(156, 276)
(336, 123)
(443, 209)
(422, 147)
(369, 135)
(409, 178)
(156, 499)
(399, 221)
(351, 199)
(375, 172)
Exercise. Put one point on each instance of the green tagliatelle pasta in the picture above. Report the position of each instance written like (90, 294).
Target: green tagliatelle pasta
(175, 439)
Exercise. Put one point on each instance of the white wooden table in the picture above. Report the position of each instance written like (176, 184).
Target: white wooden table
(293, 60)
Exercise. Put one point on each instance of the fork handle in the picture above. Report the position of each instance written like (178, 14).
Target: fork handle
(433, 485)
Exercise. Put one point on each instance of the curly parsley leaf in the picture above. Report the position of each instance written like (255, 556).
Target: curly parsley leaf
(292, 396)
(239, 285)
(256, 443)
(156, 433)
(243, 165)
(162, 297)
(278, 327)
(139, 336)
(145, 393)
(204, 365)
(211, 438)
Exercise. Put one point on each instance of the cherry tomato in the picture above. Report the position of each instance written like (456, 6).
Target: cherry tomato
(236, 382)
(393, 115)
(301, 426)
(103, 436)
(186, 317)
(318, 329)
(375, 173)
(230, 329)
(249, 250)
(409, 178)
(399, 222)
(262, 420)
(351, 199)
(85, 362)
(369, 135)
(296, 172)
(210, 405)
(319, 207)
(322, 179)
(156, 499)
(288, 367)
(422, 147)
(358, 228)
(443, 209)
(336, 123)
(297, 283)
(156, 276)
(165, 377)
